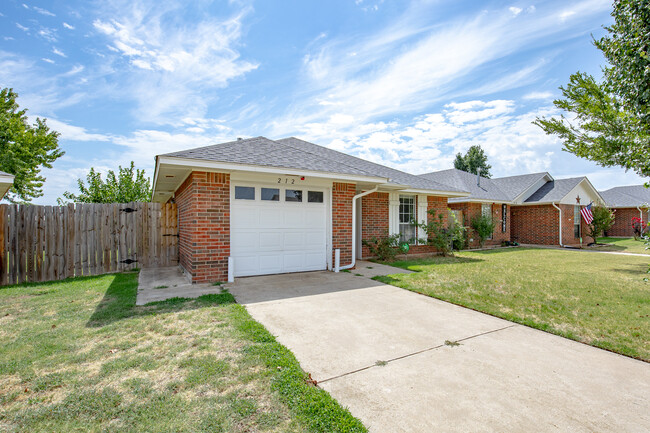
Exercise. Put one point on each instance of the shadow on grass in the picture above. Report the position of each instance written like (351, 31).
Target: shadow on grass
(639, 270)
(411, 264)
(118, 302)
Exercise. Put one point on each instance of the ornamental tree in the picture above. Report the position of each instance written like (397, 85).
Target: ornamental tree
(603, 220)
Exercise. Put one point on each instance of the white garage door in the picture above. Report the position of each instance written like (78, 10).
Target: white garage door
(277, 229)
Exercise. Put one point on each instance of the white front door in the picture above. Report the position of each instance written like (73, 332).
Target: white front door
(277, 228)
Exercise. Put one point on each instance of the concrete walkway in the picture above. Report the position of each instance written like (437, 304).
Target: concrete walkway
(404, 362)
(158, 284)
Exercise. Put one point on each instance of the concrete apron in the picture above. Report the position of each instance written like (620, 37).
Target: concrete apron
(381, 351)
(159, 284)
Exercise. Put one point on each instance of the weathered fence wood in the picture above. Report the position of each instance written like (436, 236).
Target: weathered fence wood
(42, 243)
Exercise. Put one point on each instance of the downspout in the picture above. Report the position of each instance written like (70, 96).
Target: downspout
(354, 226)
(562, 245)
(640, 214)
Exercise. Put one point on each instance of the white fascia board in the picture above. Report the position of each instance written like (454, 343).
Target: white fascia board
(475, 200)
(231, 166)
(7, 178)
(434, 192)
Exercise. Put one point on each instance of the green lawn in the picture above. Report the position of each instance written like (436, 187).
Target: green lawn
(598, 299)
(624, 245)
(79, 356)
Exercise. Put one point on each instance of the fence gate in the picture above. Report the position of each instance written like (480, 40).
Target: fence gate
(42, 243)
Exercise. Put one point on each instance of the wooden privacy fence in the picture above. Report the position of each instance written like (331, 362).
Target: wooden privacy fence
(42, 243)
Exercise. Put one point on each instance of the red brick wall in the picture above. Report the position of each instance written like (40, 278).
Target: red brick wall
(623, 222)
(539, 225)
(375, 219)
(471, 210)
(203, 202)
(342, 194)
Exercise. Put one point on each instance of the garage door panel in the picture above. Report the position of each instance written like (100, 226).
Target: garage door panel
(270, 240)
(244, 216)
(271, 217)
(247, 265)
(294, 218)
(246, 242)
(313, 260)
(271, 264)
(293, 240)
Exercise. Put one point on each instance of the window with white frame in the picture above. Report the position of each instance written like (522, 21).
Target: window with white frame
(406, 216)
(577, 219)
(486, 210)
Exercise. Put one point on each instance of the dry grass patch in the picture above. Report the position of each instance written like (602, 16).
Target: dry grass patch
(79, 355)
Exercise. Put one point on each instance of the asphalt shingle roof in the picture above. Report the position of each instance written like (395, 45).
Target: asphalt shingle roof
(554, 190)
(514, 186)
(299, 154)
(626, 196)
(488, 189)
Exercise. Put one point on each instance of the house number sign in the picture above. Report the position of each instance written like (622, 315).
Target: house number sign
(286, 180)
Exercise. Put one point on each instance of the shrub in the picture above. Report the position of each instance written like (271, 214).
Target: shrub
(438, 235)
(484, 227)
(603, 220)
(639, 227)
(459, 233)
(383, 248)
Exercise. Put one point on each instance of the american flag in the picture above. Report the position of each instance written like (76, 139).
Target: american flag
(586, 214)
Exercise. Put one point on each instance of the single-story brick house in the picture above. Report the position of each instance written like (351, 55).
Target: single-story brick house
(486, 198)
(627, 202)
(529, 209)
(258, 206)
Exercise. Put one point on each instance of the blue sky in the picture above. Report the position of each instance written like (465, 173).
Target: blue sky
(405, 84)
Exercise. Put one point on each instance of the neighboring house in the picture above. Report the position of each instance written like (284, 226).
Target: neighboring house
(530, 209)
(260, 206)
(626, 202)
(486, 197)
(6, 181)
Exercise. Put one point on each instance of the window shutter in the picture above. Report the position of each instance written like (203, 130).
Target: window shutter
(393, 213)
(422, 215)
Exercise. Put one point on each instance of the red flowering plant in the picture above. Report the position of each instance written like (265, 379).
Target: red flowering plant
(639, 227)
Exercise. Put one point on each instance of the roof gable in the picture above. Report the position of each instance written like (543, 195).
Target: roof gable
(626, 196)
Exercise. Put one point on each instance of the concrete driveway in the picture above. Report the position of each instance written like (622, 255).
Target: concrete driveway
(381, 351)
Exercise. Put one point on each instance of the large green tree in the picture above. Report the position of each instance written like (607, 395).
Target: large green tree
(609, 121)
(473, 161)
(129, 184)
(24, 149)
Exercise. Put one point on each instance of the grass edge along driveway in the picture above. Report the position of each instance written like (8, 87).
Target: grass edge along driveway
(597, 299)
(78, 355)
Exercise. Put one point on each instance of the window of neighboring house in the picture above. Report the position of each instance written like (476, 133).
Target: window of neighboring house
(406, 215)
(486, 210)
(577, 219)
(504, 215)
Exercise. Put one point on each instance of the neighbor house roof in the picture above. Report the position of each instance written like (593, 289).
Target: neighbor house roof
(299, 154)
(514, 186)
(486, 190)
(626, 196)
(554, 190)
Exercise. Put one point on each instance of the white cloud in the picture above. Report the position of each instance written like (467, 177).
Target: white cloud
(58, 52)
(515, 10)
(43, 11)
(176, 68)
(45, 59)
(21, 27)
(68, 26)
(48, 34)
(75, 133)
(538, 95)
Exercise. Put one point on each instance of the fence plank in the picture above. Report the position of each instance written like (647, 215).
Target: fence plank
(70, 241)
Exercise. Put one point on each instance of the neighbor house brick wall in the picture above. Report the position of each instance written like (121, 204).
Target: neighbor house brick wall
(623, 222)
(203, 202)
(539, 224)
(472, 209)
(342, 194)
